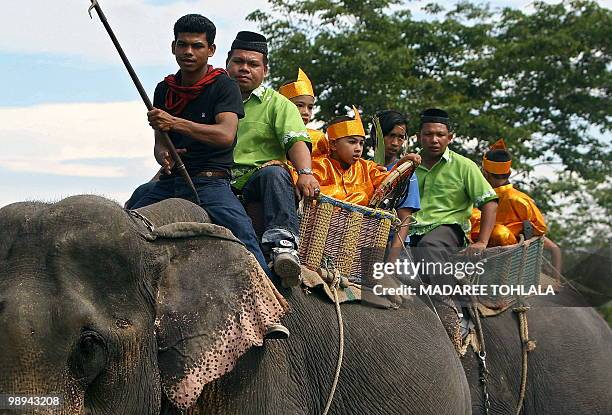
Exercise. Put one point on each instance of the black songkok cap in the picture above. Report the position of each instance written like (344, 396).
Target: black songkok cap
(435, 115)
(251, 41)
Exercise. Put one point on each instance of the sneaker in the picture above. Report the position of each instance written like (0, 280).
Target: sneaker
(287, 266)
(277, 331)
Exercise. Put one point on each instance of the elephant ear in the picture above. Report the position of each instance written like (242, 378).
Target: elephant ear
(214, 303)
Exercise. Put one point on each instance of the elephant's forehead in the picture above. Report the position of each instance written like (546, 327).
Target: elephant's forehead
(68, 215)
(71, 240)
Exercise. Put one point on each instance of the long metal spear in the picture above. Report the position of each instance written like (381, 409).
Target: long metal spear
(178, 163)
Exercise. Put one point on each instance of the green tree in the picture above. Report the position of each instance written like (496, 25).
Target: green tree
(541, 80)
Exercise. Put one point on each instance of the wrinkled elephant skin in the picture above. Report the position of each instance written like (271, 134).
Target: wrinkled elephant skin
(87, 296)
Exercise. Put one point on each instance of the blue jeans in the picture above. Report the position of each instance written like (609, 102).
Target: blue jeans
(217, 198)
(140, 192)
(273, 187)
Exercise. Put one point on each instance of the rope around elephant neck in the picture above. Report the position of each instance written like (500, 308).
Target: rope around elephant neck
(334, 287)
(527, 345)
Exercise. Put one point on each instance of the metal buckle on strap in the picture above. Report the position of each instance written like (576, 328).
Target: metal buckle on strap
(212, 173)
(143, 218)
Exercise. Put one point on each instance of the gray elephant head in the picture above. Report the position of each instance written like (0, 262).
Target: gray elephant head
(104, 311)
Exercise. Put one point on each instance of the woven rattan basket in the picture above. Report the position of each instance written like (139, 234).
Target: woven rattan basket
(513, 265)
(353, 237)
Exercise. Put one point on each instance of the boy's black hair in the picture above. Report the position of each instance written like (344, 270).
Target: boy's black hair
(498, 154)
(339, 119)
(435, 115)
(389, 119)
(196, 23)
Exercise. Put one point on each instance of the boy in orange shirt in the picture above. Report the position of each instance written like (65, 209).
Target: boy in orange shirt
(343, 174)
(513, 207)
(302, 95)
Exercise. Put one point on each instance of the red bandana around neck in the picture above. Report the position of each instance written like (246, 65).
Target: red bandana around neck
(178, 96)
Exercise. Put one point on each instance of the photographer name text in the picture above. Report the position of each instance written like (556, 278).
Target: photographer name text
(465, 290)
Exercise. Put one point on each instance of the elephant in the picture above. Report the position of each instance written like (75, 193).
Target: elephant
(120, 312)
(569, 372)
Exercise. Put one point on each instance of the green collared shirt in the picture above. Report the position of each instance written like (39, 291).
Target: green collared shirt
(271, 125)
(449, 190)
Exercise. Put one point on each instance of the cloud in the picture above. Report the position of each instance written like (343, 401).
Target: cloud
(58, 139)
(143, 29)
(57, 150)
(62, 169)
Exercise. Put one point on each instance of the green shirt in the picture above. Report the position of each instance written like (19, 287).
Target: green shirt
(271, 125)
(449, 190)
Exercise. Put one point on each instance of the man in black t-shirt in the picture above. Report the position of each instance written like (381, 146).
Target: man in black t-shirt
(199, 108)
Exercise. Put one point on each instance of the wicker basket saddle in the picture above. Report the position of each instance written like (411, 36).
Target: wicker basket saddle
(353, 237)
(393, 187)
(512, 265)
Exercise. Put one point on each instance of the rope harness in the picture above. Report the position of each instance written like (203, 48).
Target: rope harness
(527, 346)
(482, 356)
(334, 285)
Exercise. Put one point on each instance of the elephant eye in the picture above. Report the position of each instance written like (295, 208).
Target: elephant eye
(88, 345)
(89, 358)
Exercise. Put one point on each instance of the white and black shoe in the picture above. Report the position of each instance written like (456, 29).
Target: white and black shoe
(286, 264)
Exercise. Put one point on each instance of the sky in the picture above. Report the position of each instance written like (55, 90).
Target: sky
(71, 121)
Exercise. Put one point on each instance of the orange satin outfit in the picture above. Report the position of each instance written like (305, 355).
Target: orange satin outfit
(513, 208)
(354, 185)
(320, 146)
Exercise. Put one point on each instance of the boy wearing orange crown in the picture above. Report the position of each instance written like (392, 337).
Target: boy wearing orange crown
(302, 95)
(342, 173)
(514, 206)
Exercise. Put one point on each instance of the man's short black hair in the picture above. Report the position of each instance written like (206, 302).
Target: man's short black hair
(435, 115)
(196, 23)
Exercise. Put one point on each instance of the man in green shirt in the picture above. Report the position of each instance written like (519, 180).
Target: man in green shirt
(450, 185)
(272, 130)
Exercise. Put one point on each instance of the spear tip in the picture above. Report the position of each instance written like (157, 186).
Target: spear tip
(94, 3)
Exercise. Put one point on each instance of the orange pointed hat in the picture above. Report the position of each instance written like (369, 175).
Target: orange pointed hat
(497, 167)
(346, 128)
(302, 86)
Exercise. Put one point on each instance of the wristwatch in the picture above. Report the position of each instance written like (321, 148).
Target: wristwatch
(305, 171)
